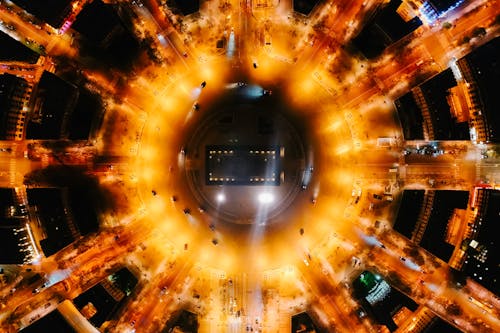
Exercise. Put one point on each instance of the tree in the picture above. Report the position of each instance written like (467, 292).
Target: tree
(465, 40)
(457, 278)
(479, 32)
(414, 252)
(447, 25)
(497, 20)
(454, 309)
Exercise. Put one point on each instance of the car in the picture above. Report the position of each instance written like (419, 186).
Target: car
(306, 262)
(361, 313)
(267, 39)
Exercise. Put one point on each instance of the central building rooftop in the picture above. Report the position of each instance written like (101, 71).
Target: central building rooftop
(246, 159)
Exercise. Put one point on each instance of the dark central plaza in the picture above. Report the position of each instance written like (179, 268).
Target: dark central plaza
(245, 161)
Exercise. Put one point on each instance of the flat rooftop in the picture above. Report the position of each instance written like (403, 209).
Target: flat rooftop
(242, 165)
(13, 50)
(51, 11)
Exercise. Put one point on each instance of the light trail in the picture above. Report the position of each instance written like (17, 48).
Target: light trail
(231, 46)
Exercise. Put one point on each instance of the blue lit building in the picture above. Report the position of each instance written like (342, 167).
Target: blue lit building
(379, 299)
(433, 9)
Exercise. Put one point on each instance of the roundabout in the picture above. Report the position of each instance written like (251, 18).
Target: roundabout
(240, 171)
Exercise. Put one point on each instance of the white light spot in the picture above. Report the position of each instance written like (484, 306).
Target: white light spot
(220, 198)
(265, 198)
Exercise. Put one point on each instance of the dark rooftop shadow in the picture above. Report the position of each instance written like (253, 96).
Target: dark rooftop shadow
(304, 7)
(51, 11)
(53, 322)
(13, 50)
(83, 186)
(303, 323)
(186, 7)
(106, 38)
(185, 321)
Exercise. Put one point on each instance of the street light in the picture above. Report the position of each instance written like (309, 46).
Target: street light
(220, 198)
(265, 198)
